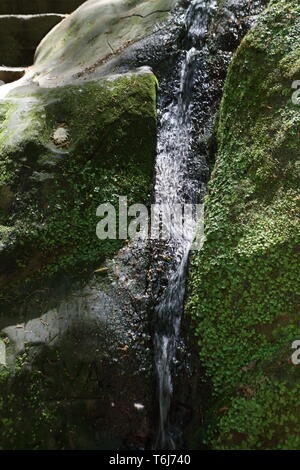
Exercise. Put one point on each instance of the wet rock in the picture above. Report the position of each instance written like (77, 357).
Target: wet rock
(21, 34)
(86, 349)
(60, 236)
(78, 347)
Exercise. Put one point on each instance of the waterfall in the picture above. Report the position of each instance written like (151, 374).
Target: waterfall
(176, 184)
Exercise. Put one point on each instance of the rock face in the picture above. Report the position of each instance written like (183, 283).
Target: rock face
(75, 341)
(95, 37)
(48, 235)
(20, 35)
(23, 7)
(244, 284)
(23, 24)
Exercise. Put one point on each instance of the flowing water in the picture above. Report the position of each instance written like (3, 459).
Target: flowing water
(176, 184)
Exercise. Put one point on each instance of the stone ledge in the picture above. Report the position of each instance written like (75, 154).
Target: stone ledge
(38, 6)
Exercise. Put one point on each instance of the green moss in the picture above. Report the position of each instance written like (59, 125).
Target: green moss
(49, 229)
(57, 188)
(244, 284)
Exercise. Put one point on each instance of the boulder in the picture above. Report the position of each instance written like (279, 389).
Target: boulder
(244, 284)
(21, 34)
(72, 311)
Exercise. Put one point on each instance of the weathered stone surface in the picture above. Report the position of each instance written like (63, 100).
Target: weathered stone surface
(92, 353)
(48, 228)
(244, 284)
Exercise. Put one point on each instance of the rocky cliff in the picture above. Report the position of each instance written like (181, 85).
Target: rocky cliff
(75, 342)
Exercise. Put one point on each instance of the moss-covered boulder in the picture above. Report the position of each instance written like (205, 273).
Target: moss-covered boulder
(64, 151)
(244, 284)
(23, 7)
(75, 367)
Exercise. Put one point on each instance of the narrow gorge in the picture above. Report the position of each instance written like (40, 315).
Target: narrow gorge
(114, 108)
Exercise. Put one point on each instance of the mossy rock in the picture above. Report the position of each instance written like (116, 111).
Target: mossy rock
(244, 284)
